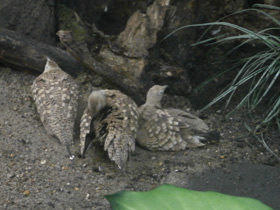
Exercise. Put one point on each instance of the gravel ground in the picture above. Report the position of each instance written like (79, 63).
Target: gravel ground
(35, 174)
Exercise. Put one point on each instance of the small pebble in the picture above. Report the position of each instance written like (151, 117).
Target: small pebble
(169, 73)
(43, 162)
(51, 205)
(64, 168)
(10, 175)
(26, 193)
(100, 168)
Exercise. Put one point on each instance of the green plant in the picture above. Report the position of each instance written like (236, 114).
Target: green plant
(169, 197)
(260, 70)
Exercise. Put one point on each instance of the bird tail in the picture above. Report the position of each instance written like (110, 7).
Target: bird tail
(66, 139)
(210, 137)
(200, 139)
(119, 146)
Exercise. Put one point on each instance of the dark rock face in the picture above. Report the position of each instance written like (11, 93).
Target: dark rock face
(135, 32)
(33, 18)
(110, 16)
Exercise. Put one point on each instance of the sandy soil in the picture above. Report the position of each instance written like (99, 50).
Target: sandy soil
(35, 174)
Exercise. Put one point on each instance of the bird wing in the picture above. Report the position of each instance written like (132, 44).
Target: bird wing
(160, 131)
(55, 95)
(63, 97)
(40, 92)
(195, 122)
(122, 126)
(68, 93)
(116, 126)
(86, 134)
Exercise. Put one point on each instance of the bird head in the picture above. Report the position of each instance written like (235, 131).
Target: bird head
(155, 95)
(50, 65)
(96, 101)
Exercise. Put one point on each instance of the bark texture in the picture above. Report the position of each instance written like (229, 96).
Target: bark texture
(21, 52)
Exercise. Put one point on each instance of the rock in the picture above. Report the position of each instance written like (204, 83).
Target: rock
(35, 19)
(26, 193)
(175, 178)
(141, 30)
(128, 67)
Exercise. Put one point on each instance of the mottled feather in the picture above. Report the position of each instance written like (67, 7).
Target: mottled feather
(168, 129)
(113, 125)
(55, 94)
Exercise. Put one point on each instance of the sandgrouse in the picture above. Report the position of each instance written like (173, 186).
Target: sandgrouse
(110, 118)
(168, 129)
(55, 94)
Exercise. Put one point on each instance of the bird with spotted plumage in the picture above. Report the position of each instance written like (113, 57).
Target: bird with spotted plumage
(56, 98)
(111, 119)
(169, 129)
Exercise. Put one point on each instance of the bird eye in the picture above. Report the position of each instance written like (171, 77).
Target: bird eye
(161, 92)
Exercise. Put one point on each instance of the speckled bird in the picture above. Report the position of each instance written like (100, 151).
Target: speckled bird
(56, 96)
(168, 129)
(110, 118)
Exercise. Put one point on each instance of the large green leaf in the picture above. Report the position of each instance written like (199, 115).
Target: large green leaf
(169, 197)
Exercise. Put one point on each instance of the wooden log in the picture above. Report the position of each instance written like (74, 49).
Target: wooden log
(21, 52)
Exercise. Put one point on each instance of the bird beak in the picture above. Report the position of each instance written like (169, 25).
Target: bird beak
(165, 86)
